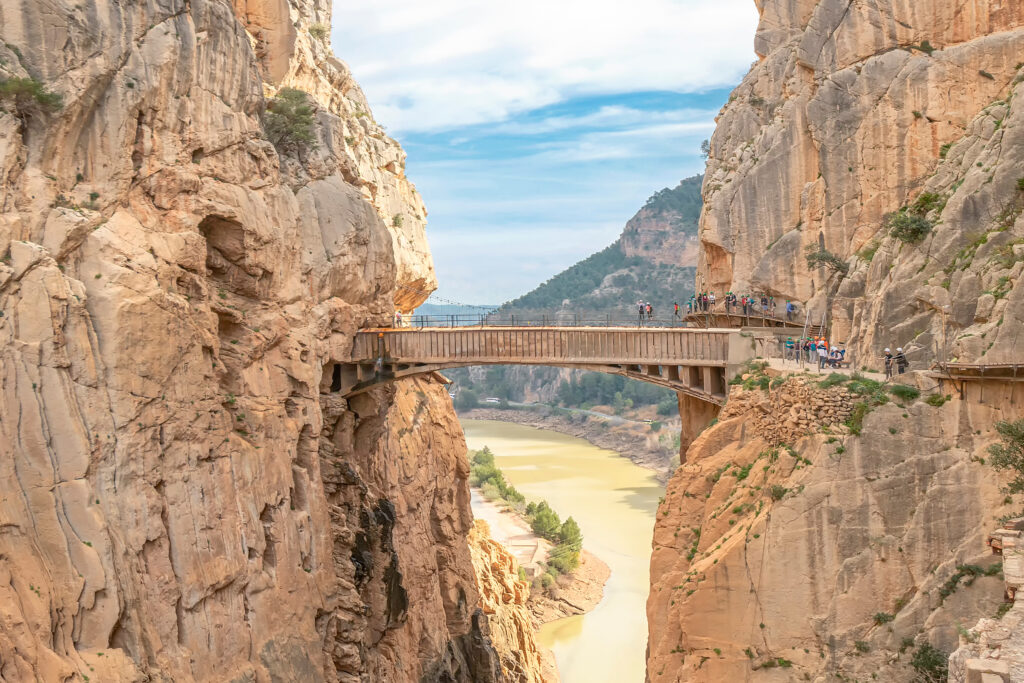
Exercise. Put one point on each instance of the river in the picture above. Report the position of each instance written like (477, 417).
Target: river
(614, 502)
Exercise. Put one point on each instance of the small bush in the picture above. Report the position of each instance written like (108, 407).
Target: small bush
(1020, 184)
(320, 31)
(861, 646)
(832, 380)
(868, 252)
(883, 618)
(1009, 455)
(937, 399)
(777, 491)
(288, 121)
(907, 227)
(29, 97)
(986, 74)
(903, 392)
(822, 258)
(930, 664)
(926, 47)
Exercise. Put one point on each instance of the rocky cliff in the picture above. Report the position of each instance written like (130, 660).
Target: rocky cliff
(181, 498)
(791, 546)
(853, 111)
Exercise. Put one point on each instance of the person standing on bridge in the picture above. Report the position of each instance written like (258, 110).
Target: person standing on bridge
(641, 310)
(650, 311)
(771, 305)
(711, 301)
(790, 309)
(675, 308)
(689, 306)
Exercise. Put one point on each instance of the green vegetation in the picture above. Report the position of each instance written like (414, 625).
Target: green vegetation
(609, 282)
(970, 572)
(1009, 454)
(883, 618)
(904, 393)
(466, 399)
(778, 491)
(288, 121)
(906, 226)
(930, 664)
(868, 252)
(545, 522)
(823, 258)
(861, 646)
(594, 388)
(926, 47)
(944, 150)
(28, 97)
(937, 400)
(320, 31)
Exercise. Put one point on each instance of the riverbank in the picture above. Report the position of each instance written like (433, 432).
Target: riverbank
(573, 595)
(632, 440)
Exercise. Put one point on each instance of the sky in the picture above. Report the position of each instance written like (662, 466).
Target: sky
(534, 130)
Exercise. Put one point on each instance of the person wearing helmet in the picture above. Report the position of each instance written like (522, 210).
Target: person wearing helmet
(888, 363)
(901, 361)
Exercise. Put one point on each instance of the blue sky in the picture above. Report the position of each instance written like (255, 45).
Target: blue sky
(534, 133)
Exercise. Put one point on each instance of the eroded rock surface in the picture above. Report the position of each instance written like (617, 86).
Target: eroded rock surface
(181, 497)
(846, 116)
(828, 554)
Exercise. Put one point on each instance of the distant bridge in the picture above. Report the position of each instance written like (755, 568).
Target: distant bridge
(696, 362)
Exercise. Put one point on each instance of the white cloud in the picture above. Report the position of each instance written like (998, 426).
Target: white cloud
(449, 63)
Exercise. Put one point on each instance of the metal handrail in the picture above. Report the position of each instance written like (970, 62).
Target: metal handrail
(490, 320)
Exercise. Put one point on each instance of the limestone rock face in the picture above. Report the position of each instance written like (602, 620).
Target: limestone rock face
(845, 118)
(829, 555)
(181, 498)
(503, 597)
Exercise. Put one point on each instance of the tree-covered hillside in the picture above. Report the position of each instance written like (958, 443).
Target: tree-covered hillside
(652, 260)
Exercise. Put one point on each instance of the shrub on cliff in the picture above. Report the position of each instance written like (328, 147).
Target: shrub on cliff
(823, 258)
(907, 225)
(28, 97)
(1009, 454)
(930, 664)
(288, 121)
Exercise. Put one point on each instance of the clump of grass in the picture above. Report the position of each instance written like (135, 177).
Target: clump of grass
(29, 97)
(320, 31)
(904, 392)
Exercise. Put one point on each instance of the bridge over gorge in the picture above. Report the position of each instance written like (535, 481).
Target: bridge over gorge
(695, 362)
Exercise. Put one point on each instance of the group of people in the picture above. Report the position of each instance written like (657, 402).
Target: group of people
(645, 311)
(809, 348)
(897, 362)
(748, 304)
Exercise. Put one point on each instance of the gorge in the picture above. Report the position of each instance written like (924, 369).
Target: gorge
(198, 216)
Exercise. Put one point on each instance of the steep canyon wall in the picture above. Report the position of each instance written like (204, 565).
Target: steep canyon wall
(180, 497)
(852, 111)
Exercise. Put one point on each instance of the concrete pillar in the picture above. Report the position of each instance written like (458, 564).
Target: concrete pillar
(696, 415)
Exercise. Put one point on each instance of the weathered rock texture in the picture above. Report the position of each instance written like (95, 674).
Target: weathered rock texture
(844, 118)
(503, 597)
(180, 497)
(829, 555)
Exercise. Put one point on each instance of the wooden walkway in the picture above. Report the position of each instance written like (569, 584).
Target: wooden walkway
(698, 362)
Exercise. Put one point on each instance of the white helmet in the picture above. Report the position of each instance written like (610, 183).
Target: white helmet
(899, 349)
(888, 351)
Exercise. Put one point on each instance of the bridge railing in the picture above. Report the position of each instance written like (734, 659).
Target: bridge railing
(491, 320)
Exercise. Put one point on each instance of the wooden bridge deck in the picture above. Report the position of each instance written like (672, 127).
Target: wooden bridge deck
(698, 362)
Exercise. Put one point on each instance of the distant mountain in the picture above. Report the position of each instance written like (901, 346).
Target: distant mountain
(452, 309)
(654, 259)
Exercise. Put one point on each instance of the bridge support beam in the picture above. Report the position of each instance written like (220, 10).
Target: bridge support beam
(696, 415)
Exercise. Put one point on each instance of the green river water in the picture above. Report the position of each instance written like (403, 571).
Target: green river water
(614, 502)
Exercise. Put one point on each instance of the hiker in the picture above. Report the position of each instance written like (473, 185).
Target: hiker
(789, 349)
(822, 352)
(901, 361)
(675, 308)
(650, 311)
(689, 306)
(790, 309)
(398, 318)
(640, 313)
(887, 358)
(711, 300)
(764, 305)
(728, 303)
(771, 305)
(835, 357)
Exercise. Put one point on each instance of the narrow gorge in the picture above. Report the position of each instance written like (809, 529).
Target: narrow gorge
(200, 216)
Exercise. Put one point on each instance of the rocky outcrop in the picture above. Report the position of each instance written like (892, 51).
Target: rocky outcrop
(832, 554)
(664, 231)
(846, 117)
(503, 597)
(181, 497)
